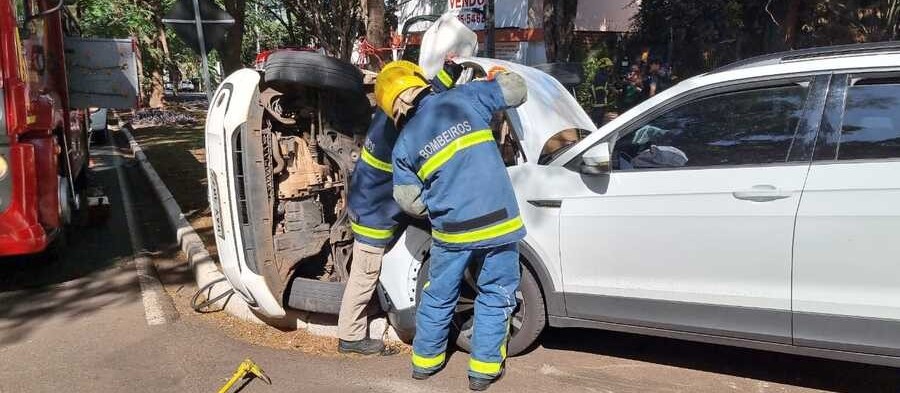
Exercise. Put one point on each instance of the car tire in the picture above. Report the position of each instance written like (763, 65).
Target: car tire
(529, 317)
(286, 69)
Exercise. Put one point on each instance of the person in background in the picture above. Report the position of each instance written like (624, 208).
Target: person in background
(633, 88)
(653, 81)
(396, 44)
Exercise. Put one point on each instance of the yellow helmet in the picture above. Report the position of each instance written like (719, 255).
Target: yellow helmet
(394, 78)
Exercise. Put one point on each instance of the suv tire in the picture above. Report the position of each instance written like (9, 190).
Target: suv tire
(531, 313)
(286, 69)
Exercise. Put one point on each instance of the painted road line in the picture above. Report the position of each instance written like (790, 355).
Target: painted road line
(156, 301)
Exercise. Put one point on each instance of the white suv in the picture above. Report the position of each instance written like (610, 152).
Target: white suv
(756, 206)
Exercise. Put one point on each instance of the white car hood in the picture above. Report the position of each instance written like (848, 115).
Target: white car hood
(550, 108)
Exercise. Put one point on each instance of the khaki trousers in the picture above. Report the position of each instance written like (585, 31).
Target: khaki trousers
(364, 271)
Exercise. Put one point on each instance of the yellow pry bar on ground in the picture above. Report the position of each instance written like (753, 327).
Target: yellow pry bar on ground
(246, 367)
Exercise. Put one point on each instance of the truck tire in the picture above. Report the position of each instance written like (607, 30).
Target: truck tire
(530, 314)
(286, 69)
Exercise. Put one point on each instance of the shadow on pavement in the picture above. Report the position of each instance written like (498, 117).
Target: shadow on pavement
(95, 269)
(775, 367)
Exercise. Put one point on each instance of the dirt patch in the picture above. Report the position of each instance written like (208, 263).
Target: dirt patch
(262, 335)
(178, 155)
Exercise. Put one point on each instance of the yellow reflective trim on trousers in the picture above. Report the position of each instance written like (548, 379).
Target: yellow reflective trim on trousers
(425, 362)
(374, 162)
(505, 339)
(427, 283)
(445, 78)
(491, 368)
(373, 233)
(488, 368)
(445, 154)
(477, 235)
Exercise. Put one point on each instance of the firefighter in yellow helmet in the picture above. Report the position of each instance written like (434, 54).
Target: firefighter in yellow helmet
(446, 166)
(376, 220)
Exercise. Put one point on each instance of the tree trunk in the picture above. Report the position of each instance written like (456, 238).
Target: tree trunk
(551, 30)
(157, 90)
(157, 80)
(791, 21)
(156, 63)
(567, 29)
(375, 22)
(231, 48)
(559, 28)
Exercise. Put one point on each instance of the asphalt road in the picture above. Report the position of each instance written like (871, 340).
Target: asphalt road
(80, 323)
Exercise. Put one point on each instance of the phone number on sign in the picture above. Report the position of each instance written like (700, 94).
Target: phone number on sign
(471, 18)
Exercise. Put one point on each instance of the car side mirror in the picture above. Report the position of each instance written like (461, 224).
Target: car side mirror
(596, 160)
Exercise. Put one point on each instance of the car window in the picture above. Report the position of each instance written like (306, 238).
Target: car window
(871, 124)
(748, 127)
(559, 143)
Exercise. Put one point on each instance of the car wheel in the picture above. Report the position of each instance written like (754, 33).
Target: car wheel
(528, 319)
(286, 69)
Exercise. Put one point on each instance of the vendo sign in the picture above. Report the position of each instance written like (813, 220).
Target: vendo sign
(470, 12)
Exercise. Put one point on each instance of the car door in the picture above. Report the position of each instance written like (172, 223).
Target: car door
(846, 276)
(692, 229)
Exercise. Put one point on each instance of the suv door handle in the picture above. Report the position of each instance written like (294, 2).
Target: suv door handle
(761, 193)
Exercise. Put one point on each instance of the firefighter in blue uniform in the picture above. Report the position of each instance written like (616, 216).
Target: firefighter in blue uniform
(447, 166)
(375, 219)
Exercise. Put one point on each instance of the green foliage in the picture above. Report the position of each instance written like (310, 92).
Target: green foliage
(704, 34)
(828, 21)
(267, 23)
(330, 24)
(584, 92)
(112, 18)
(699, 29)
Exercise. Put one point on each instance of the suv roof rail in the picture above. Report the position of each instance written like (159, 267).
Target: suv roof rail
(812, 53)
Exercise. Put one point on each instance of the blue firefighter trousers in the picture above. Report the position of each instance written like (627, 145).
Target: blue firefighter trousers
(497, 283)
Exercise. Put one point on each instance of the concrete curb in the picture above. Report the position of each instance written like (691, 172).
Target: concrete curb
(202, 265)
(206, 271)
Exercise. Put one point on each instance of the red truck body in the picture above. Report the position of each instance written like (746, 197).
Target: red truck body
(43, 141)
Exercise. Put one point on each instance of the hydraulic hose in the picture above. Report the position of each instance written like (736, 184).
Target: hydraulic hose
(201, 307)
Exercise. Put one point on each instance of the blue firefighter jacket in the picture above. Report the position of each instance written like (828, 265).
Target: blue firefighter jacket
(447, 148)
(374, 215)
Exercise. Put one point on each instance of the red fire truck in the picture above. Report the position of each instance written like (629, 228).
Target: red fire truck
(43, 137)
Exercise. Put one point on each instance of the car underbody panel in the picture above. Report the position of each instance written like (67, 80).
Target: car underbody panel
(282, 150)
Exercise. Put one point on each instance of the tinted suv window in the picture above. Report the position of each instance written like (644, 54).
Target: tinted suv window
(741, 128)
(871, 126)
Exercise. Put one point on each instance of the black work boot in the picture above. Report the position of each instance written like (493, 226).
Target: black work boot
(366, 346)
(421, 375)
(479, 384)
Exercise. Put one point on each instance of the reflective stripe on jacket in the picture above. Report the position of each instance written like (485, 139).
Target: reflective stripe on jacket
(374, 214)
(448, 149)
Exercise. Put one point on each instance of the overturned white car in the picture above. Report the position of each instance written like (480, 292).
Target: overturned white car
(281, 144)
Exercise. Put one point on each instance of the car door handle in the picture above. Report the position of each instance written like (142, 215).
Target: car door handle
(761, 193)
(550, 203)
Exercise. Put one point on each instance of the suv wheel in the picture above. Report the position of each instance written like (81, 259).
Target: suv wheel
(528, 319)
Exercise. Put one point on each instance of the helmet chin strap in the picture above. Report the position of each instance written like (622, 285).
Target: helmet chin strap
(406, 103)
